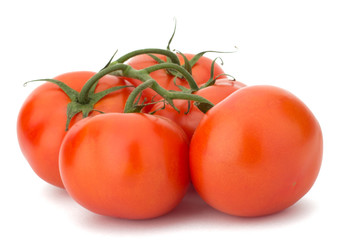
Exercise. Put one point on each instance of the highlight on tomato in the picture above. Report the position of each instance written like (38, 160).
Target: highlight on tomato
(256, 153)
(42, 121)
(132, 165)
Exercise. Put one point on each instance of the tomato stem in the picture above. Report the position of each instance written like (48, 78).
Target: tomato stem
(84, 94)
(120, 69)
(129, 55)
(129, 105)
(203, 104)
(172, 36)
(194, 87)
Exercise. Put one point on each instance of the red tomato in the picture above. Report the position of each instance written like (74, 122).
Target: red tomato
(189, 122)
(42, 120)
(256, 153)
(130, 165)
(201, 72)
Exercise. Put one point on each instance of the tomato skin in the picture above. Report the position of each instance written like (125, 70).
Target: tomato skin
(201, 73)
(42, 120)
(256, 153)
(132, 166)
(189, 122)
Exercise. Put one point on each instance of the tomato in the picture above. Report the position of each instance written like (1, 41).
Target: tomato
(201, 73)
(132, 165)
(42, 120)
(189, 119)
(256, 153)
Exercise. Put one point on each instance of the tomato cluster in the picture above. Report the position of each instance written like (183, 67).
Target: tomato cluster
(128, 140)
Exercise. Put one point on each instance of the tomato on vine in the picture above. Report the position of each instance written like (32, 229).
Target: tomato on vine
(256, 153)
(42, 121)
(131, 165)
(249, 151)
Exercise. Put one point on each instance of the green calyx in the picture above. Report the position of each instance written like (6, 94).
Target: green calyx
(77, 106)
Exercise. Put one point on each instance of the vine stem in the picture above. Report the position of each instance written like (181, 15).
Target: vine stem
(167, 95)
(129, 105)
(83, 96)
(194, 87)
(174, 58)
(120, 69)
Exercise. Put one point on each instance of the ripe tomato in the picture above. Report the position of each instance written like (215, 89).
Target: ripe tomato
(189, 120)
(201, 73)
(256, 153)
(42, 120)
(130, 165)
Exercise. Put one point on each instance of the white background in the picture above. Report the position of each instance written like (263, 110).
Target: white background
(290, 44)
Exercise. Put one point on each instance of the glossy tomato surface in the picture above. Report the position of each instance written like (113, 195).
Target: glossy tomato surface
(201, 72)
(256, 153)
(132, 166)
(189, 116)
(42, 120)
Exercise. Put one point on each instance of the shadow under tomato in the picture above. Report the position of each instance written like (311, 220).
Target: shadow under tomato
(56, 194)
(194, 212)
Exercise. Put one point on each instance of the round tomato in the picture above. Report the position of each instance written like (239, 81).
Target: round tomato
(132, 165)
(256, 153)
(201, 72)
(189, 116)
(42, 120)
